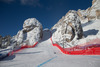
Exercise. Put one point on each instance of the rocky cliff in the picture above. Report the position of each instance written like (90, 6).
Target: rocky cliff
(67, 30)
(72, 27)
(92, 12)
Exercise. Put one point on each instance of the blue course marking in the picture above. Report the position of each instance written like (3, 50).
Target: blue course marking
(46, 61)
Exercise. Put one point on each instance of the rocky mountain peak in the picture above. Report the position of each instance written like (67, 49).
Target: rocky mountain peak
(92, 12)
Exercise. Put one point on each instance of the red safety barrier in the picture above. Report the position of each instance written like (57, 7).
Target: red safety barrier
(29, 46)
(93, 49)
(21, 48)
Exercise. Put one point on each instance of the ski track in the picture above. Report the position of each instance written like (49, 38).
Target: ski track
(46, 55)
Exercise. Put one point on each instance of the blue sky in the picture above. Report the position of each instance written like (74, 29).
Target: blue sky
(48, 12)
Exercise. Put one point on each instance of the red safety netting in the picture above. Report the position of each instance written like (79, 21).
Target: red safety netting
(21, 48)
(93, 49)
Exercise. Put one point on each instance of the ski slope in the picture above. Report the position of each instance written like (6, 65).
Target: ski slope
(46, 55)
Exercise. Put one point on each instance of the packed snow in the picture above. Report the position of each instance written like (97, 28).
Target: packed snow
(46, 55)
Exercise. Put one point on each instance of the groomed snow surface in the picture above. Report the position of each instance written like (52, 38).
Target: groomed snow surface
(46, 55)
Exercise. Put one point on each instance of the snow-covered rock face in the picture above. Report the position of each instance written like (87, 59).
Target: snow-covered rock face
(30, 24)
(30, 34)
(4, 41)
(94, 11)
(67, 30)
(91, 13)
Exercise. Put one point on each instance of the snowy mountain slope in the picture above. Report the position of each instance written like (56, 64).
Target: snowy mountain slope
(93, 25)
(45, 55)
(67, 31)
(29, 35)
(94, 9)
(89, 19)
(91, 32)
(91, 13)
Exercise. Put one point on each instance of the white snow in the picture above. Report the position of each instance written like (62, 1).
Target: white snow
(91, 31)
(33, 36)
(95, 6)
(19, 36)
(4, 52)
(60, 31)
(46, 55)
(30, 34)
(31, 22)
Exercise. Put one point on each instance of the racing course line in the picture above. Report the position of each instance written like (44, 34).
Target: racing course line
(77, 50)
(46, 61)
